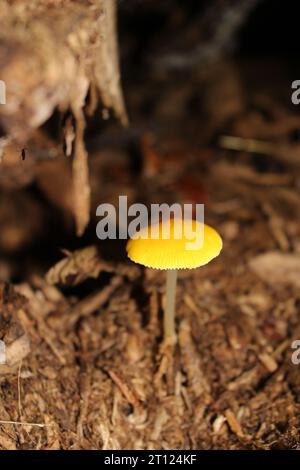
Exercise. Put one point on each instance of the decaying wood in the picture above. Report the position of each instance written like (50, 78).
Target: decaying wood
(69, 44)
(69, 50)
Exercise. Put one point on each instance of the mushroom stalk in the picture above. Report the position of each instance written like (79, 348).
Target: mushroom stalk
(169, 314)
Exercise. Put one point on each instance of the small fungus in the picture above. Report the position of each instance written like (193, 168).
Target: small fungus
(151, 248)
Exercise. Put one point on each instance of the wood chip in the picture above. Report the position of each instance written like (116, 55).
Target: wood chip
(6, 443)
(233, 423)
(218, 423)
(268, 361)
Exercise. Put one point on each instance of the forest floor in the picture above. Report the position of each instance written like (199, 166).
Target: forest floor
(86, 364)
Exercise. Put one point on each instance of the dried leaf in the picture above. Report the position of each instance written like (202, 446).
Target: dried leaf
(76, 267)
(106, 62)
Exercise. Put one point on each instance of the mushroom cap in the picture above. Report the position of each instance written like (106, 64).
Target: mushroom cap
(172, 253)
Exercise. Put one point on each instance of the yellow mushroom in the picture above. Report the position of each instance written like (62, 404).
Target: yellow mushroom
(151, 248)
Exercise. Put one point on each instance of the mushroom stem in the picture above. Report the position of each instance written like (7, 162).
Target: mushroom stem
(169, 314)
